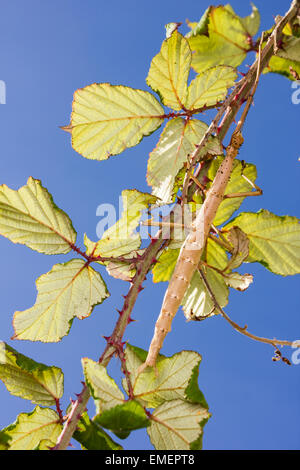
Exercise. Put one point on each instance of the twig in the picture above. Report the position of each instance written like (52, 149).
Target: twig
(243, 330)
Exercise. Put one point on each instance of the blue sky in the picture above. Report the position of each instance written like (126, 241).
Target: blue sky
(48, 50)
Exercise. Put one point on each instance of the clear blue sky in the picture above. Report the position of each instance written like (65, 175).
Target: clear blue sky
(48, 50)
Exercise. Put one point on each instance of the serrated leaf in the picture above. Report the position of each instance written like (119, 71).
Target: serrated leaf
(103, 388)
(106, 119)
(69, 290)
(176, 424)
(122, 419)
(31, 428)
(30, 217)
(274, 240)
(92, 437)
(28, 379)
(121, 238)
(236, 184)
(238, 281)
(174, 374)
(210, 87)
(176, 143)
(251, 22)
(240, 243)
(169, 71)
(197, 302)
(226, 44)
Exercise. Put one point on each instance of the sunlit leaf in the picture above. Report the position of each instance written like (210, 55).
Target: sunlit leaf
(227, 42)
(169, 71)
(290, 49)
(201, 27)
(69, 290)
(177, 425)
(121, 238)
(122, 419)
(283, 67)
(236, 184)
(251, 22)
(28, 379)
(165, 265)
(210, 86)
(30, 217)
(103, 388)
(174, 374)
(176, 143)
(238, 281)
(274, 240)
(45, 444)
(31, 428)
(106, 119)
(92, 437)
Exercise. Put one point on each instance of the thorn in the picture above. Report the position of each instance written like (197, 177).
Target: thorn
(130, 320)
(120, 312)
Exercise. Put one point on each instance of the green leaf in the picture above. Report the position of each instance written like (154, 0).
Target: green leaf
(31, 428)
(290, 49)
(237, 184)
(121, 238)
(274, 240)
(238, 281)
(122, 419)
(210, 87)
(165, 265)
(103, 388)
(169, 71)
(92, 437)
(30, 217)
(227, 43)
(197, 303)
(283, 67)
(174, 374)
(134, 358)
(201, 27)
(45, 444)
(4, 440)
(176, 143)
(69, 290)
(28, 379)
(251, 22)
(106, 119)
(240, 243)
(176, 425)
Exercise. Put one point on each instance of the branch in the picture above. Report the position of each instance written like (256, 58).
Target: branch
(243, 330)
(113, 342)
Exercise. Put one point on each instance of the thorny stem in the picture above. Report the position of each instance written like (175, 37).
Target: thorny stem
(113, 342)
(228, 110)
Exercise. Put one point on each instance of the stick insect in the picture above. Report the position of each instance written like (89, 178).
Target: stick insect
(194, 244)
